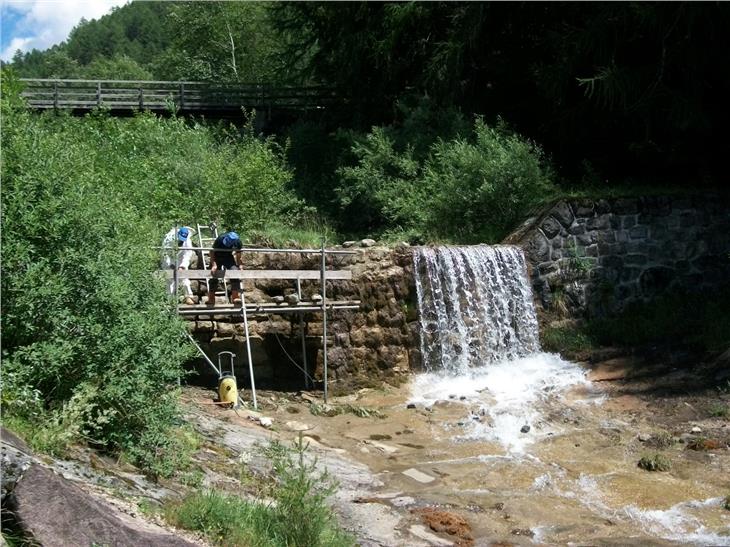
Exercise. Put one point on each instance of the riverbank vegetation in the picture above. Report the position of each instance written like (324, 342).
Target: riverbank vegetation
(296, 514)
(682, 320)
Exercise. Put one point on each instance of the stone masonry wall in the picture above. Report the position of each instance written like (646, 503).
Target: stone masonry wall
(378, 341)
(591, 258)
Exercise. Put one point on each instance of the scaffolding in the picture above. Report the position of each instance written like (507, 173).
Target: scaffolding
(244, 309)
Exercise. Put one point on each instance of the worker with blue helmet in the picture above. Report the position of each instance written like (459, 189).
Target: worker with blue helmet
(225, 256)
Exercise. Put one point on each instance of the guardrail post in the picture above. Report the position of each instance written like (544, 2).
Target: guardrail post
(98, 94)
(141, 98)
(182, 96)
(55, 95)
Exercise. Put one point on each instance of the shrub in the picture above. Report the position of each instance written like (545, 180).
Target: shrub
(697, 318)
(657, 462)
(468, 189)
(300, 515)
(90, 346)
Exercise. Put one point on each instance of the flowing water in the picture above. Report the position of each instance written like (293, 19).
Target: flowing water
(475, 306)
(505, 421)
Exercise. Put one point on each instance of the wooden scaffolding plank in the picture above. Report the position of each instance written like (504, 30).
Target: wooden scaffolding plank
(262, 274)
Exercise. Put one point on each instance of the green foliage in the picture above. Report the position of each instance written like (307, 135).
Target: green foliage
(90, 348)
(726, 503)
(221, 41)
(121, 44)
(695, 318)
(656, 462)
(300, 515)
(567, 340)
(465, 189)
(720, 410)
(120, 67)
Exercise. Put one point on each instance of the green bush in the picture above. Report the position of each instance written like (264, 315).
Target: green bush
(90, 345)
(299, 517)
(695, 318)
(467, 189)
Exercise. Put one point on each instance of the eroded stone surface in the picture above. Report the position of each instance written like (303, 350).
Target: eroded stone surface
(41, 502)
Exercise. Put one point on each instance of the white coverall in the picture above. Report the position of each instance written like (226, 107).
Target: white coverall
(184, 256)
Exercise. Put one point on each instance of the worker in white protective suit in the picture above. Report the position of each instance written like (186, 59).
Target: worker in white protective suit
(182, 239)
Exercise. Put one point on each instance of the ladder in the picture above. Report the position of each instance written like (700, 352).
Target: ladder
(207, 241)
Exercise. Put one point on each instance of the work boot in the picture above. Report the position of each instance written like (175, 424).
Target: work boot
(235, 297)
(211, 299)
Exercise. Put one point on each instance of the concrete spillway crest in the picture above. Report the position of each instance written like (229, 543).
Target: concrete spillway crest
(475, 306)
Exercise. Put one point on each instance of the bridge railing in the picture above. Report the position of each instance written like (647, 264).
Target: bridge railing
(159, 95)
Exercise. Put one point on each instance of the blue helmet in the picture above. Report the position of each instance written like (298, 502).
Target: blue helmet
(230, 239)
(182, 234)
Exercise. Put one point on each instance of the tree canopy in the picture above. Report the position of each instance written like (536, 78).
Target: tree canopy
(611, 90)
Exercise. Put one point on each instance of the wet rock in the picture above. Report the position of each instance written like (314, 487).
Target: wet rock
(292, 299)
(348, 244)
(448, 523)
(523, 532)
(562, 212)
(418, 476)
(386, 448)
(15, 460)
(297, 426)
(367, 243)
(411, 405)
(525, 429)
(704, 444)
(550, 227)
(423, 533)
(498, 506)
(41, 502)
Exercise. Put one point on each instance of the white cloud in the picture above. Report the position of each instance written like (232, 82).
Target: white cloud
(15, 45)
(43, 23)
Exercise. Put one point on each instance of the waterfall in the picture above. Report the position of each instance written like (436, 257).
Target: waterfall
(475, 306)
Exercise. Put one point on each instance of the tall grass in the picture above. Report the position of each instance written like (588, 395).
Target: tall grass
(298, 515)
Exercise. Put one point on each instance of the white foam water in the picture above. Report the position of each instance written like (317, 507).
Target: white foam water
(508, 394)
(678, 524)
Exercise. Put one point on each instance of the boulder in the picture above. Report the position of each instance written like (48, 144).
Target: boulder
(41, 501)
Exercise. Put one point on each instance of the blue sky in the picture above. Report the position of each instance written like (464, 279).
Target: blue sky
(28, 24)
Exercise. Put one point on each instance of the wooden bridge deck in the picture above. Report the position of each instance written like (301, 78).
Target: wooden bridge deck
(161, 96)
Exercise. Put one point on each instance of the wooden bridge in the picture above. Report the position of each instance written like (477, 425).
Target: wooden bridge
(185, 97)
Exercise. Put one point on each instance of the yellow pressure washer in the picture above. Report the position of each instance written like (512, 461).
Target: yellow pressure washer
(227, 388)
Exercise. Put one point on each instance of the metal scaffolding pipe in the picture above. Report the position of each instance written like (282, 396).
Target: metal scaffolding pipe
(248, 351)
(218, 372)
(259, 250)
(324, 321)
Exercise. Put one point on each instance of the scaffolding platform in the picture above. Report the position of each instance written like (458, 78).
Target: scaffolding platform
(245, 309)
(266, 308)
